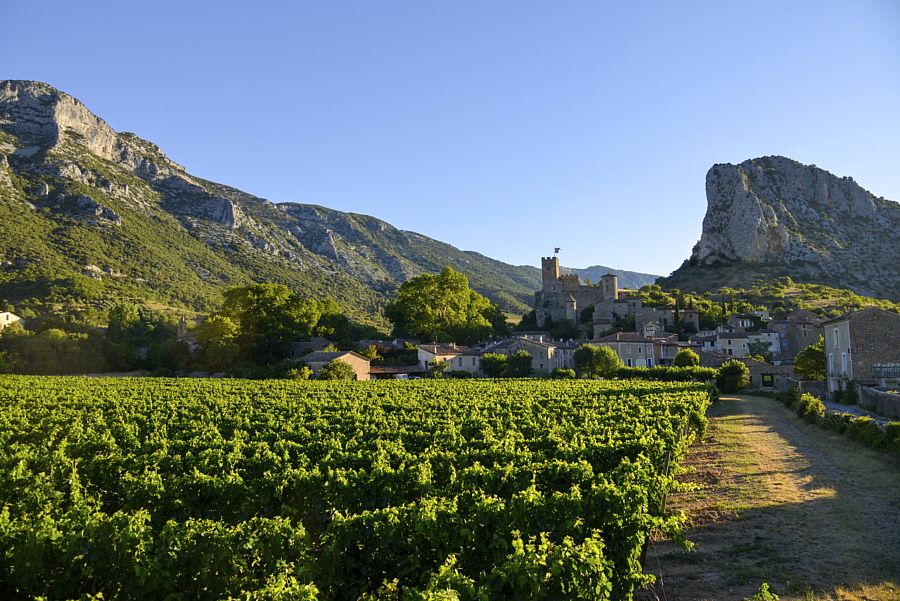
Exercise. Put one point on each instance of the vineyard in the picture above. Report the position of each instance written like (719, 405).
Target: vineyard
(230, 489)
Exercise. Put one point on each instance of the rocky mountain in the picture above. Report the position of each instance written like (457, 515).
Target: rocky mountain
(89, 214)
(773, 216)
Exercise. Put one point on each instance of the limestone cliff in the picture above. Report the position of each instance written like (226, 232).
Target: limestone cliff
(80, 200)
(775, 216)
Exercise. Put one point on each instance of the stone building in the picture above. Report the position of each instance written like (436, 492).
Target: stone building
(563, 296)
(7, 319)
(855, 343)
(319, 359)
(633, 349)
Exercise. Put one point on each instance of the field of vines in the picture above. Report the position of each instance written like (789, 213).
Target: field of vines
(232, 489)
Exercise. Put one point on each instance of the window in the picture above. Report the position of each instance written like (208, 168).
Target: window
(836, 337)
(728, 352)
(628, 362)
(844, 364)
(831, 363)
(473, 361)
(649, 362)
(640, 350)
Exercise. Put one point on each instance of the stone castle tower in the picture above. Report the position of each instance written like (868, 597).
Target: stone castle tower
(562, 294)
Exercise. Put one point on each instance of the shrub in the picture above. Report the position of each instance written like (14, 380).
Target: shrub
(810, 408)
(713, 393)
(593, 361)
(518, 365)
(892, 437)
(763, 594)
(667, 374)
(459, 374)
(686, 358)
(866, 431)
(733, 376)
(837, 422)
(561, 373)
(337, 370)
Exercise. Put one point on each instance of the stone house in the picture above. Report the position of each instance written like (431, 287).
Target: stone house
(733, 345)
(633, 349)
(801, 329)
(7, 319)
(855, 343)
(433, 353)
(770, 338)
(319, 359)
(664, 350)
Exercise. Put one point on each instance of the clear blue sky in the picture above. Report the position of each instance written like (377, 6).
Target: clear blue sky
(502, 127)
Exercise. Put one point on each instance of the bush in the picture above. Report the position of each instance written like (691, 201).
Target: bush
(763, 594)
(810, 408)
(337, 370)
(837, 422)
(713, 394)
(866, 431)
(560, 373)
(892, 437)
(667, 374)
(686, 358)
(459, 374)
(299, 373)
(733, 376)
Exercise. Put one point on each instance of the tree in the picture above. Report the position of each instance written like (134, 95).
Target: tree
(810, 362)
(518, 365)
(732, 376)
(686, 358)
(217, 338)
(493, 365)
(594, 361)
(760, 348)
(443, 308)
(337, 370)
(269, 318)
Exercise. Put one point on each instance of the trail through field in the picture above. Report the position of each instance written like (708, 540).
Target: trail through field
(812, 513)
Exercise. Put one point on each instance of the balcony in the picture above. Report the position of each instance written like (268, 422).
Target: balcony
(886, 370)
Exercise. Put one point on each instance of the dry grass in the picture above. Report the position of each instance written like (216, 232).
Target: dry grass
(813, 514)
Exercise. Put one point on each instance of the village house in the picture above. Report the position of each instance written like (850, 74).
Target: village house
(733, 345)
(800, 329)
(319, 359)
(633, 349)
(855, 343)
(7, 319)
(428, 354)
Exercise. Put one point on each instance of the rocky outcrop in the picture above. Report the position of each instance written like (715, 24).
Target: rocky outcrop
(802, 220)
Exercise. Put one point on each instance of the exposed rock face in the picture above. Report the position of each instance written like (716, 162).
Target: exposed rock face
(185, 236)
(776, 211)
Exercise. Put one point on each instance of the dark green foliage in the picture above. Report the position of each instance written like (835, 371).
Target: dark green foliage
(667, 374)
(733, 376)
(443, 308)
(493, 365)
(686, 358)
(810, 362)
(337, 370)
(518, 365)
(810, 408)
(561, 373)
(594, 361)
(458, 374)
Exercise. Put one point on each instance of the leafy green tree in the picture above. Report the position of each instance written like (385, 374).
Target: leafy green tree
(686, 358)
(518, 364)
(443, 308)
(493, 365)
(337, 370)
(733, 376)
(810, 362)
(269, 318)
(217, 338)
(595, 361)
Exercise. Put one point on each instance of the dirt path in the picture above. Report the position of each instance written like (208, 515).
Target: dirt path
(814, 514)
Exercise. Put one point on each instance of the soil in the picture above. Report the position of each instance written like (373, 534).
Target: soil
(777, 500)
